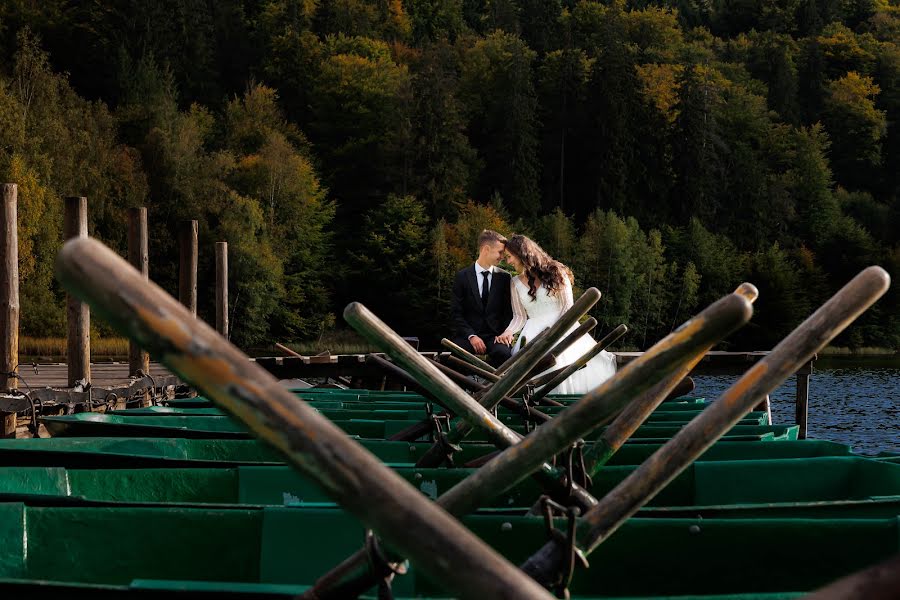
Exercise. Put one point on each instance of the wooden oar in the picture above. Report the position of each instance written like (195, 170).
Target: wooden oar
(426, 373)
(396, 511)
(425, 426)
(697, 436)
(465, 355)
(507, 402)
(460, 363)
(545, 363)
(639, 409)
(517, 462)
(599, 347)
(878, 582)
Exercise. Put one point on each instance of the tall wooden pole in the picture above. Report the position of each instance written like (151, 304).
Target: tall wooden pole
(222, 288)
(78, 314)
(187, 267)
(802, 405)
(139, 257)
(9, 299)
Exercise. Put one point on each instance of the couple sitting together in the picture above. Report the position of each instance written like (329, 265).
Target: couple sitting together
(490, 307)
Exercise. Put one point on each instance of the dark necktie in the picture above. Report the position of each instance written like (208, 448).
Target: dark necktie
(484, 288)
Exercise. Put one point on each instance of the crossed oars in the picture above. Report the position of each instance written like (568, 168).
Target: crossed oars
(599, 523)
(473, 364)
(417, 430)
(472, 413)
(398, 513)
(426, 373)
(688, 342)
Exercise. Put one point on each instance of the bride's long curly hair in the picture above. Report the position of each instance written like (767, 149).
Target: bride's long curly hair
(540, 268)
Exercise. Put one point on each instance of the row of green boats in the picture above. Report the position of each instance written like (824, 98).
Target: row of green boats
(182, 499)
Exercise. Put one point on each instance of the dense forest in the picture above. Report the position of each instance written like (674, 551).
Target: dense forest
(666, 150)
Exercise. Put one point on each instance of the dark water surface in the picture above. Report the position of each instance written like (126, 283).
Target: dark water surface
(854, 403)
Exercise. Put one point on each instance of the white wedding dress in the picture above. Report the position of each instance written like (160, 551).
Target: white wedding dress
(533, 315)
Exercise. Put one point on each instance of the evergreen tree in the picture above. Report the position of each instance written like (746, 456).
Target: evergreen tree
(499, 93)
(696, 148)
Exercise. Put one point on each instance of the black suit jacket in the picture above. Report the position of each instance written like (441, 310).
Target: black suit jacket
(469, 316)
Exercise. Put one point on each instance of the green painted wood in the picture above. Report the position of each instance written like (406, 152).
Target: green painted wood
(204, 427)
(136, 452)
(813, 488)
(290, 546)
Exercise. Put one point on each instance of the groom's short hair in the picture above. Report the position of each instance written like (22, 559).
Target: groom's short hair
(488, 236)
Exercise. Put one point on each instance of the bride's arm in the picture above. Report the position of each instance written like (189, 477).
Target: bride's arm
(564, 296)
(519, 316)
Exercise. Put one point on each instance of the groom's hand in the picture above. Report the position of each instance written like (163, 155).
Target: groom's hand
(478, 345)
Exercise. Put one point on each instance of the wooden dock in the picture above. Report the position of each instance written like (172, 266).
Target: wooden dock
(103, 375)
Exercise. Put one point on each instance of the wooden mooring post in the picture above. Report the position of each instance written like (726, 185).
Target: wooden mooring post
(9, 300)
(139, 257)
(78, 315)
(802, 403)
(222, 288)
(187, 265)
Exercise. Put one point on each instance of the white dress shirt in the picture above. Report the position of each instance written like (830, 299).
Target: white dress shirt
(480, 278)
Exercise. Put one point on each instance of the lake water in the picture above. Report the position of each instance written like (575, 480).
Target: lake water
(855, 404)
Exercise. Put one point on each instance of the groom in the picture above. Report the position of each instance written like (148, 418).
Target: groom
(481, 304)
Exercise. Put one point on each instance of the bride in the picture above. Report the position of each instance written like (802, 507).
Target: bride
(540, 295)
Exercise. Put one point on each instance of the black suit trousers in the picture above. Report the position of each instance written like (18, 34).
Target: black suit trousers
(497, 354)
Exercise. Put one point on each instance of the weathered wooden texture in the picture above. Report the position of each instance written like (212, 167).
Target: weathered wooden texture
(697, 436)
(78, 314)
(460, 364)
(187, 265)
(597, 406)
(222, 288)
(425, 426)
(48, 391)
(9, 299)
(465, 355)
(638, 410)
(78, 399)
(426, 373)
(402, 516)
(139, 257)
(103, 374)
(801, 406)
(878, 582)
